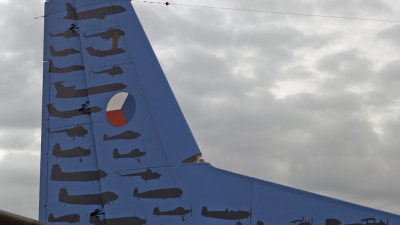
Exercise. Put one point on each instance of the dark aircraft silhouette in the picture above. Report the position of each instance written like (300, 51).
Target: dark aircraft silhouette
(66, 52)
(159, 193)
(77, 131)
(180, 211)
(66, 34)
(106, 34)
(70, 153)
(226, 215)
(133, 220)
(302, 222)
(135, 154)
(105, 53)
(70, 218)
(54, 69)
(71, 113)
(147, 175)
(115, 70)
(371, 221)
(99, 13)
(126, 135)
(71, 92)
(331, 221)
(84, 176)
(88, 199)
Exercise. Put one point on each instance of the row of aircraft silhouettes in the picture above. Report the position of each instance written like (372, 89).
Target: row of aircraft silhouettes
(182, 212)
(108, 34)
(95, 217)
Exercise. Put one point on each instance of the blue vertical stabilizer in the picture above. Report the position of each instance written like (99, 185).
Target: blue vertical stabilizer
(114, 138)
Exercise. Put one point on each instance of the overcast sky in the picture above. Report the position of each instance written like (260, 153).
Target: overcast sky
(312, 103)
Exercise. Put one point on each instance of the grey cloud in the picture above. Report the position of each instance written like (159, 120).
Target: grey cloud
(298, 73)
(391, 34)
(348, 67)
(360, 8)
(20, 76)
(344, 103)
(270, 5)
(19, 183)
(18, 139)
(386, 84)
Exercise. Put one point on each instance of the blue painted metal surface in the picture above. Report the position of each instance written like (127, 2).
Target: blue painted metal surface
(94, 172)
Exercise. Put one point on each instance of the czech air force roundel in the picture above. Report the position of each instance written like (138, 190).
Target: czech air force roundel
(120, 109)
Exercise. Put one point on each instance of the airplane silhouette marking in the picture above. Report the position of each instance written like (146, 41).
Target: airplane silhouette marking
(147, 175)
(70, 153)
(54, 69)
(302, 222)
(53, 111)
(126, 135)
(71, 92)
(66, 52)
(99, 13)
(159, 193)
(66, 34)
(77, 131)
(371, 221)
(83, 176)
(132, 220)
(70, 218)
(105, 53)
(226, 215)
(88, 199)
(115, 70)
(108, 34)
(135, 154)
(180, 211)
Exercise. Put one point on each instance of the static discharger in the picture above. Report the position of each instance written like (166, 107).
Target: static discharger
(115, 42)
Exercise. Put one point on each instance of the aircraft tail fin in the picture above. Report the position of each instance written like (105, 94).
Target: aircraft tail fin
(55, 171)
(63, 195)
(71, 12)
(51, 218)
(56, 149)
(136, 192)
(140, 102)
(53, 111)
(115, 152)
(204, 210)
(53, 52)
(156, 211)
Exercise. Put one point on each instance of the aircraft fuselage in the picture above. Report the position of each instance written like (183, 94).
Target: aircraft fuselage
(159, 193)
